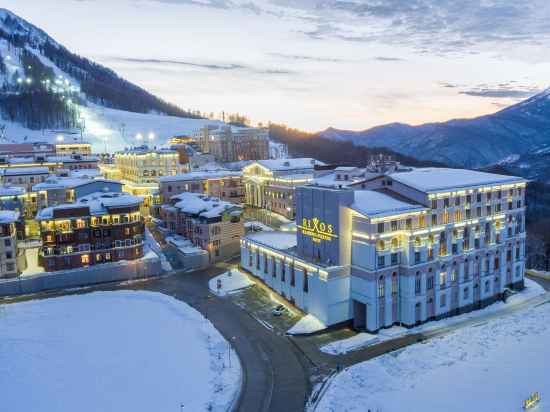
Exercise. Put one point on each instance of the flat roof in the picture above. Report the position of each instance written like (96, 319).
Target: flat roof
(17, 171)
(377, 204)
(199, 175)
(288, 164)
(8, 216)
(276, 240)
(434, 179)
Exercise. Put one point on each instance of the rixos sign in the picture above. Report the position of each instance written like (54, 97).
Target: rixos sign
(317, 230)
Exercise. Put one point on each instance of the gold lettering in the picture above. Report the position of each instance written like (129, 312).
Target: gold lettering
(317, 230)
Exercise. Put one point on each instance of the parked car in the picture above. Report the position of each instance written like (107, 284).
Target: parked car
(278, 310)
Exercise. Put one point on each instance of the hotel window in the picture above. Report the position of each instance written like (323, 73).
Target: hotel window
(466, 293)
(453, 275)
(394, 225)
(381, 227)
(442, 279)
(306, 282)
(445, 217)
(85, 259)
(468, 199)
(454, 248)
(292, 275)
(497, 263)
(476, 243)
(518, 204)
(446, 202)
(380, 245)
(457, 201)
(422, 221)
(489, 210)
(517, 252)
(381, 261)
(518, 272)
(466, 270)
(265, 263)
(499, 194)
(417, 286)
(395, 243)
(434, 203)
(434, 220)
(478, 211)
(408, 224)
(430, 283)
(417, 241)
(394, 283)
(442, 300)
(430, 254)
(258, 261)
(510, 206)
(394, 259)
(381, 287)
(273, 268)
(478, 197)
(458, 216)
(416, 258)
(283, 270)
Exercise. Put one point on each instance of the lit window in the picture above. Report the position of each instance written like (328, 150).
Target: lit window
(85, 259)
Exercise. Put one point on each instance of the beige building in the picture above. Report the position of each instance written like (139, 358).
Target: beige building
(9, 257)
(231, 144)
(270, 184)
(142, 165)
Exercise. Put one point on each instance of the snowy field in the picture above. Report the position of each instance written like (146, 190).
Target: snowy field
(231, 281)
(308, 324)
(493, 366)
(113, 351)
(362, 340)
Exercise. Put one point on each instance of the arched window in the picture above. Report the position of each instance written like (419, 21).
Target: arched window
(417, 241)
(381, 245)
(395, 243)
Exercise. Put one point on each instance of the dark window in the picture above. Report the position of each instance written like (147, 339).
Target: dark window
(381, 227)
(306, 282)
(430, 283)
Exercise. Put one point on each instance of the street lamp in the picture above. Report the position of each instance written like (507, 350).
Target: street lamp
(60, 138)
(139, 137)
(151, 137)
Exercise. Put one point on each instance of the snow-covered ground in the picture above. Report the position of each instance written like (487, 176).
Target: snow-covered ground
(308, 324)
(230, 281)
(493, 366)
(113, 351)
(153, 245)
(362, 340)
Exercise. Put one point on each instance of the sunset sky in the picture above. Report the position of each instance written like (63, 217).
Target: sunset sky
(313, 64)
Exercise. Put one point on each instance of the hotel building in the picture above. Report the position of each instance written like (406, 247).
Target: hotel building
(223, 184)
(98, 228)
(415, 246)
(231, 144)
(10, 256)
(212, 224)
(270, 184)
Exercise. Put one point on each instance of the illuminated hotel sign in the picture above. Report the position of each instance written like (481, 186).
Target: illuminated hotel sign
(317, 230)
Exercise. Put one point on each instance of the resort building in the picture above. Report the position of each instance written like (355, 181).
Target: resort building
(208, 222)
(221, 183)
(10, 257)
(231, 144)
(24, 177)
(142, 165)
(75, 148)
(270, 184)
(417, 245)
(98, 228)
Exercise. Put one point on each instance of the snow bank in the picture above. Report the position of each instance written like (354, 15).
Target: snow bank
(362, 340)
(308, 324)
(231, 281)
(113, 351)
(492, 366)
(343, 346)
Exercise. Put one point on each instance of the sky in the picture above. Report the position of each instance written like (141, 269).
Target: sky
(313, 64)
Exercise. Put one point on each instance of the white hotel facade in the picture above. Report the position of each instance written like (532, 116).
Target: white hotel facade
(403, 248)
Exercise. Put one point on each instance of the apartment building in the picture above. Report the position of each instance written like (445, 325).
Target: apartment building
(99, 228)
(142, 165)
(10, 256)
(270, 184)
(231, 144)
(212, 224)
(75, 148)
(415, 246)
(24, 177)
(223, 184)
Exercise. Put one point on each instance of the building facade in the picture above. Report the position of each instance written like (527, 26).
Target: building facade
(212, 224)
(10, 257)
(142, 165)
(270, 184)
(98, 228)
(423, 245)
(223, 184)
(231, 144)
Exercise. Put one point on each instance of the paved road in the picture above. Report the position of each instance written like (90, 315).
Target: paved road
(276, 377)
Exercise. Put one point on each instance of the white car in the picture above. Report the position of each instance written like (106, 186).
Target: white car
(278, 310)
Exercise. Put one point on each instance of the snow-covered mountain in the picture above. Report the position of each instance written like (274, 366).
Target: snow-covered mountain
(47, 91)
(505, 136)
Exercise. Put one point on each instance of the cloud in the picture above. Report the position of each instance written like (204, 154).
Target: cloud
(299, 57)
(388, 59)
(226, 67)
(508, 90)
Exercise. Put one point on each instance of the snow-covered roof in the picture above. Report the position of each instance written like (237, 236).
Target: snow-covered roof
(83, 173)
(275, 240)
(200, 175)
(68, 182)
(202, 205)
(8, 216)
(331, 179)
(19, 171)
(377, 204)
(433, 179)
(289, 164)
(98, 203)
(12, 191)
